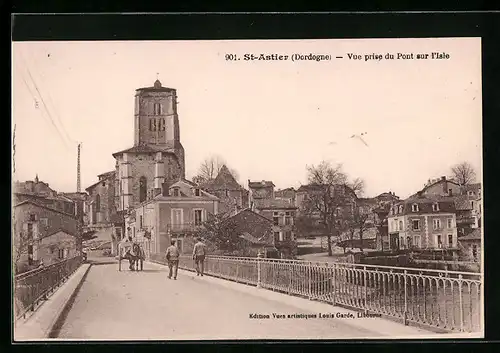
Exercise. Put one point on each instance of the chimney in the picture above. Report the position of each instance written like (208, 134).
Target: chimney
(419, 193)
(164, 189)
(445, 185)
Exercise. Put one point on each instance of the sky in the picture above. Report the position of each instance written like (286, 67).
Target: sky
(267, 119)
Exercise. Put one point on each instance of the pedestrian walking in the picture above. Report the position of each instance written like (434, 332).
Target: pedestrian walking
(199, 253)
(172, 256)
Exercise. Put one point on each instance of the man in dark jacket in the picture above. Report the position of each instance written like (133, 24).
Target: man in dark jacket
(172, 256)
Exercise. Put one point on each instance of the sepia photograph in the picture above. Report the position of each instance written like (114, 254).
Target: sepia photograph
(324, 189)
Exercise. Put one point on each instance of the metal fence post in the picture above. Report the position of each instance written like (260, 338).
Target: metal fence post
(365, 285)
(334, 280)
(406, 297)
(259, 256)
(309, 271)
(460, 300)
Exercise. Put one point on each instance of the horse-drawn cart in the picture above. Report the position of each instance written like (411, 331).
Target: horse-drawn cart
(133, 252)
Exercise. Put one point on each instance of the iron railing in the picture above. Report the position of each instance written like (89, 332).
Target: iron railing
(32, 287)
(447, 300)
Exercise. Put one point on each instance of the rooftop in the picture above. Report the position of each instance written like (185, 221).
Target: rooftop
(260, 184)
(156, 87)
(273, 204)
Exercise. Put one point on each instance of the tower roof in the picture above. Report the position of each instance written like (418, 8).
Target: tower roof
(157, 87)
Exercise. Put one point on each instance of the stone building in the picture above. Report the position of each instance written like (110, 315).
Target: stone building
(233, 197)
(101, 200)
(43, 233)
(157, 155)
(423, 222)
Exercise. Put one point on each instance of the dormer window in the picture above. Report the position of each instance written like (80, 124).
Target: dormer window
(414, 207)
(197, 192)
(175, 191)
(435, 207)
(471, 193)
(400, 208)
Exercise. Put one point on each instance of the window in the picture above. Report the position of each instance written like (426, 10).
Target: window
(474, 252)
(227, 193)
(400, 225)
(281, 236)
(435, 207)
(439, 241)
(60, 254)
(152, 124)
(449, 223)
(197, 217)
(140, 222)
(275, 214)
(196, 192)
(414, 207)
(157, 108)
(408, 242)
(288, 236)
(471, 193)
(161, 126)
(30, 231)
(44, 222)
(472, 204)
(103, 183)
(276, 236)
(143, 189)
(401, 208)
(436, 223)
(415, 224)
(175, 192)
(98, 203)
(276, 220)
(32, 217)
(288, 220)
(450, 240)
(416, 241)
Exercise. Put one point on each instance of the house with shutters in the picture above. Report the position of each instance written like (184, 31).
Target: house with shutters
(42, 234)
(177, 213)
(423, 222)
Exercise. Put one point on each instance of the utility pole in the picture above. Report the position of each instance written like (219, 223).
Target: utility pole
(78, 186)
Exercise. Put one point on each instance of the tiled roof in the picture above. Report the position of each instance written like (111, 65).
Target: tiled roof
(474, 235)
(165, 148)
(446, 205)
(223, 181)
(43, 206)
(55, 231)
(288, 193)
(273, 204)
(260, 184)
(107, 174)
(463, 203)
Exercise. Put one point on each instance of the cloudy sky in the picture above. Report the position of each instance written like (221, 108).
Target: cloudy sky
(267, 119)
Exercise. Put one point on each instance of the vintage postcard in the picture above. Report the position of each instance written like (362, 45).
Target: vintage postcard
(248, 189)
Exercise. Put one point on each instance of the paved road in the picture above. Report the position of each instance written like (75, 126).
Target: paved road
(129, 305)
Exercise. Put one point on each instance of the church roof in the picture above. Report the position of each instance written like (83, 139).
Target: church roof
(165, 148)
(223, 181)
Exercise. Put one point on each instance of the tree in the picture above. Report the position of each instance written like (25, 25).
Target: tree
(332, 198)
(22, 241)
(463, 173)
(358, 222)
(210, 168)
(220, 231)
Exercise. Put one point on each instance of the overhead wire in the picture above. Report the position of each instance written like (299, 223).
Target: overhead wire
(44, 105)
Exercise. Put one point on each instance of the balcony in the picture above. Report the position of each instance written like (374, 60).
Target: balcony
(185, 227)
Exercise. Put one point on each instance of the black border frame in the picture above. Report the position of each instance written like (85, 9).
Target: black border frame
(198, 26)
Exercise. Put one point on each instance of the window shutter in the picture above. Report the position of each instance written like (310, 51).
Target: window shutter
(35, 230)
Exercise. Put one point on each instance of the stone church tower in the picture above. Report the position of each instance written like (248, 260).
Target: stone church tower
(157, 156)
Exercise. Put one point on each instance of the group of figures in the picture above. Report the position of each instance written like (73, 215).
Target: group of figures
(135, 255)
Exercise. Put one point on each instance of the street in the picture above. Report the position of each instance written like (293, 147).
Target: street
(127, 305)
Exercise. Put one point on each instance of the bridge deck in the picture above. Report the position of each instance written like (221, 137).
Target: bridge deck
(127, 305)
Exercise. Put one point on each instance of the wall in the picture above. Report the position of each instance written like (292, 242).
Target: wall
(106, 190)
(438, 189)
(49, 247)
(144, 165)
(227, 202)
